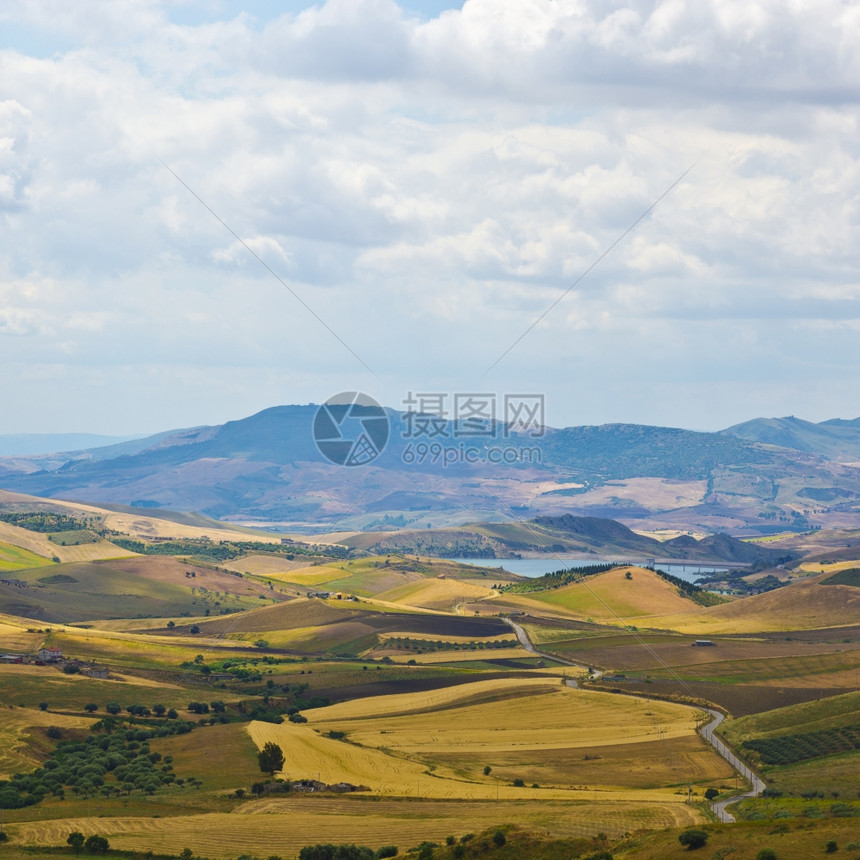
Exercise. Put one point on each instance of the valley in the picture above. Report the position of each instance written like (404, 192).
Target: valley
(405, 706)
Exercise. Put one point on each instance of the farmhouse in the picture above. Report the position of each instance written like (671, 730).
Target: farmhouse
(99, 672)
(50, 655)
(11, 658)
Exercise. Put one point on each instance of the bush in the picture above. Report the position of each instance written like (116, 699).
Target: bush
(766, 854)
(711, 793)
(693, 838)
(831, 847)
(499, 838)
(387, 851)
(519, 783)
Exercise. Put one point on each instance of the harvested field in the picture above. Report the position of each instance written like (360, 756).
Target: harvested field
(285, 825)
(17, 726)
(448, 735)
(610, 597)
(440, 594)
(804, 605)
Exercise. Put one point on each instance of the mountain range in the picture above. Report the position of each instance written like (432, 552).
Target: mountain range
(761, 476)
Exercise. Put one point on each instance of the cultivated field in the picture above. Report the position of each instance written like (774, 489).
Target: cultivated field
(283, 826)
(20, 750)
(438, 742)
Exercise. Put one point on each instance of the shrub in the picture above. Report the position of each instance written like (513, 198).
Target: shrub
(519, 783)
(766, 854)
(387, 851)
(499, 838)
(693, 838)
(831, 847)
(711, 793)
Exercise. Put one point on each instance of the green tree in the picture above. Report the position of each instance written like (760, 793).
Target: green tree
(270, 758)
(76, 840)
(766, 854)
(711, 793)
(693, 838)
(96, 845)
(90, 707)
(487, 770)
(113, 708)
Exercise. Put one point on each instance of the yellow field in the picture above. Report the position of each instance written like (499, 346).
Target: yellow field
(135, 524)
(608, 598)
(265, 565)
(440, 594)
(14, 637)
(16, 724)
(803, 605)
(437, 743)
(40, 545)
(283, 826)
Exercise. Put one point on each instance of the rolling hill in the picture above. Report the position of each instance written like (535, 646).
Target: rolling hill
(566, 534)
(266, 468)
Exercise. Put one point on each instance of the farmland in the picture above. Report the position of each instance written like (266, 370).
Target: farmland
(406, 683)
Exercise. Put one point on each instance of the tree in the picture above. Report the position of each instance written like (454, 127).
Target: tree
(159, 710)
(499, 838)
(693, 838)
(90, 707)
(487, 770)
(766, 854)
(76, 840)
(43, 706)
(113, 708)
(96, 845)
(831, 847)
(270, 758)
(711, 793)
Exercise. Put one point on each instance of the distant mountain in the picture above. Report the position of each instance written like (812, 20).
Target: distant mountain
(266, 468)
(27, 444)
(836, 439)
(564, 535)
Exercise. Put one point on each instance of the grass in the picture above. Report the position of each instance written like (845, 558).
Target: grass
(829, 713)
(17, 558)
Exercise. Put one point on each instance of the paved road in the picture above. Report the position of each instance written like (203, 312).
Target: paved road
(527, 644)
(719, 808)
(757, 784)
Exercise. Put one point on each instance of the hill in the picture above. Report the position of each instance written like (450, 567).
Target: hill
(266, 468)
(836, 439)
(804, 605)
(566, 534)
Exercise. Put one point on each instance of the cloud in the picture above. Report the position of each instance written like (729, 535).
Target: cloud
(430, 187)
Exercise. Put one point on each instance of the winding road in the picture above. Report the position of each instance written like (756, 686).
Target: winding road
(755, 781)
(719, 807)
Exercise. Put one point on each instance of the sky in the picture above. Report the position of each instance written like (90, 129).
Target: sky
(644, 211)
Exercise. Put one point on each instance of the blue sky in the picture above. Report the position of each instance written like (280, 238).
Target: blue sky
(425, 181)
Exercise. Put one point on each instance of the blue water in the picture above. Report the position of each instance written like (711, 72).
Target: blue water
(540, 566)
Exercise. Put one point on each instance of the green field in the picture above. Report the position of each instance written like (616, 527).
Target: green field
(15, 558)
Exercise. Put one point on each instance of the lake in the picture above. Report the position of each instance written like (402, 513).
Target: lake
(539, 566)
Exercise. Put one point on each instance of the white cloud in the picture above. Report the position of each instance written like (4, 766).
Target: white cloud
(429, 188)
